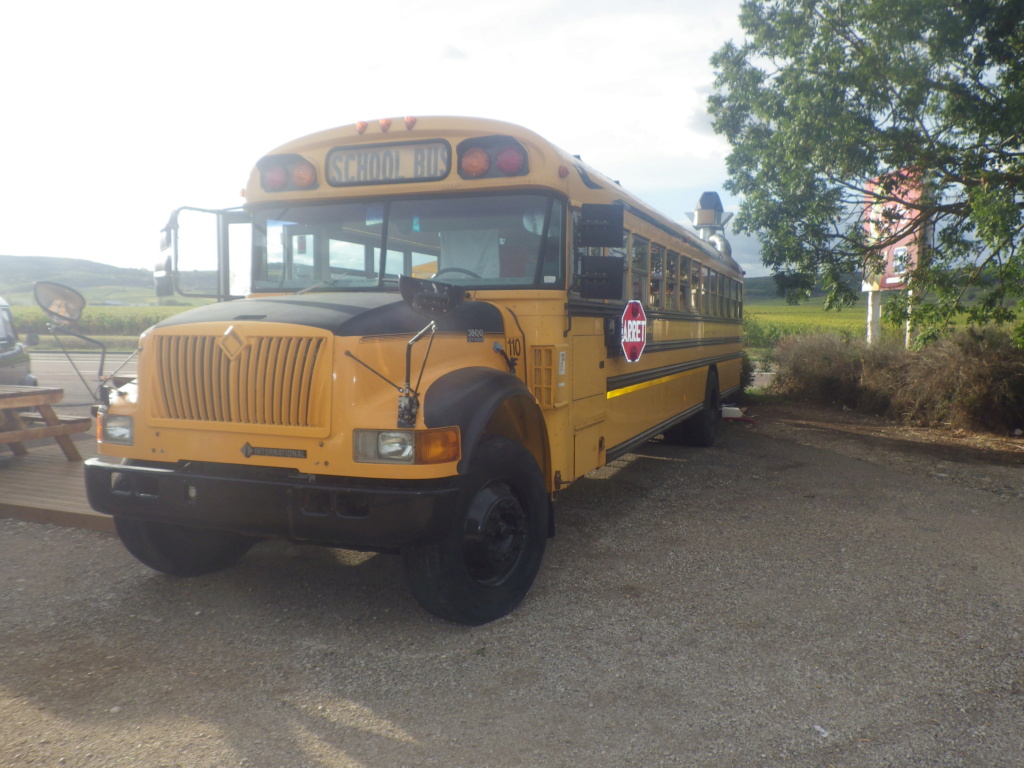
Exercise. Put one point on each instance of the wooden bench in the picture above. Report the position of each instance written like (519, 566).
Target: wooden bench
(18, 426)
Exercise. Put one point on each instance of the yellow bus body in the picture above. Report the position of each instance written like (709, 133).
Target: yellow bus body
(281, 388)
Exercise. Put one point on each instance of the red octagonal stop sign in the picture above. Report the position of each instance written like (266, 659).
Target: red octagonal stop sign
(634, 330)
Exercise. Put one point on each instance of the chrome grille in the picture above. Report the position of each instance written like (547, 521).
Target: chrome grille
(270, 380)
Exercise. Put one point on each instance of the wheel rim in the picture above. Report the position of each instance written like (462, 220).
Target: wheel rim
(495, 534)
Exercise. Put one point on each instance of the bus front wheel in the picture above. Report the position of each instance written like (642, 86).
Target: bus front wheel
(180, 551)
(484, 565)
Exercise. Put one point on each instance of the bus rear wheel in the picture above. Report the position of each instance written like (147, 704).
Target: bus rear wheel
(702, 429)
(485, 563)
(180, 551)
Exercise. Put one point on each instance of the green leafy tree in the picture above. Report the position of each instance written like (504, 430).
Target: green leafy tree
(824, 98)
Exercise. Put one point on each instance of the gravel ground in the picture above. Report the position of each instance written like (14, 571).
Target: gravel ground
(808, 593)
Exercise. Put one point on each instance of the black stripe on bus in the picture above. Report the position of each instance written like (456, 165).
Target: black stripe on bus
(632, 379)
(584, 308)
(666, 346)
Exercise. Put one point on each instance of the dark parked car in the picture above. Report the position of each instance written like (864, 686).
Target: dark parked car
(14, 360)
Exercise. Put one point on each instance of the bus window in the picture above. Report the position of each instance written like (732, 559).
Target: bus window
(493, 241)
(657, 298)
(696, 288)
(496, 240)
(685, 299)
(303, 266)
(672, 281)
(621, 251)
(346, 256)
(707, 303)
(640, 269)
(552, 257)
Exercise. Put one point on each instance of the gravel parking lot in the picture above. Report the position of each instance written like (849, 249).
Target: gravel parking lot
(811, 592)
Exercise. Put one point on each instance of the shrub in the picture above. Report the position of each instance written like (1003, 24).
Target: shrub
(973, 379)
(822, 367)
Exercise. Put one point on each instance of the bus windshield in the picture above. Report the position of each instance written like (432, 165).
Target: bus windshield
(481, 241)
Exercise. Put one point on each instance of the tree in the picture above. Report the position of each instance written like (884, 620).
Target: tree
(829, 103)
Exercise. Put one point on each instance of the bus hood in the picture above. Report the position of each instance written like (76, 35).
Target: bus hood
(343, 314)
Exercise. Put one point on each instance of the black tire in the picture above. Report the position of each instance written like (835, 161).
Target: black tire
(180, 551)
(484, 565)
(701, 429)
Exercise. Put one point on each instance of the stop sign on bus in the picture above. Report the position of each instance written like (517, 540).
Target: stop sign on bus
(634, 330)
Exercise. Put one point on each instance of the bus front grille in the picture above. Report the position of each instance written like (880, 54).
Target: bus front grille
(267, 380)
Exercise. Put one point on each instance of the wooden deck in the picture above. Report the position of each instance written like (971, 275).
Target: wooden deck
(44, 487)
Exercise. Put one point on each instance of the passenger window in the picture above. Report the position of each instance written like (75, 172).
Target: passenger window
(672, 281)
(685, 299)
(657, 297)
(640, 269)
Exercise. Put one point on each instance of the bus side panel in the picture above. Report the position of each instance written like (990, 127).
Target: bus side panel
(588, 421)
(642, 409)
(589, 369)
(729, 375)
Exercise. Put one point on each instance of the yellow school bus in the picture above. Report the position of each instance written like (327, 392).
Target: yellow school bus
(446, 321)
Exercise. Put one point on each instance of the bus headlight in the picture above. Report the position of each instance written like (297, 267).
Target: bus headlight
(399, 446)
(396, 446)
(117, 429)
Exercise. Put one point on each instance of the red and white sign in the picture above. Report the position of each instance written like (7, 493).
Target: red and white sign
(634, 330)
(891, 220)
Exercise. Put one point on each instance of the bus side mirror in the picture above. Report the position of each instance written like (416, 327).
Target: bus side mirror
(601, 277)
(163, 280)
(60, 303)
(601, 226)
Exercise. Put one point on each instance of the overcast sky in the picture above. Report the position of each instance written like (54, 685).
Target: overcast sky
(114, 113)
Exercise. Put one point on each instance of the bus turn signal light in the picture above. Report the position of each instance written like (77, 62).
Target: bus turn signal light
(436, 446)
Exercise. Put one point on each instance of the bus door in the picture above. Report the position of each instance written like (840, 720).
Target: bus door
(206, 254)
(600, 277)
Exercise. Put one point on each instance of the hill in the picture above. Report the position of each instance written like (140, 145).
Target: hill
(762, 289)
(18, 273)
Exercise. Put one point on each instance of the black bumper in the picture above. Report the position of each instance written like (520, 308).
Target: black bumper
(338, 512)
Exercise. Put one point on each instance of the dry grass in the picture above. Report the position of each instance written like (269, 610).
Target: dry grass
(972, 380)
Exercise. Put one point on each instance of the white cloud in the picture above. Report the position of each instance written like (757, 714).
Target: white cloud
(115, 114)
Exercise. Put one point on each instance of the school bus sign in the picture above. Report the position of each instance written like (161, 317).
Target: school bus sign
(634, 331)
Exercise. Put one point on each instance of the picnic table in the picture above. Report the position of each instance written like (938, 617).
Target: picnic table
(18, 425)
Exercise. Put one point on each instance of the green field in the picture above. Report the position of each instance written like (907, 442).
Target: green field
(767, 319)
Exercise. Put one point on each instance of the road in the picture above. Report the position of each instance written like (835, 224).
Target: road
(809, 593)
(53, 369)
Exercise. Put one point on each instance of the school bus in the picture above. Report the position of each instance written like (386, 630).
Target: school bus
(447, 321)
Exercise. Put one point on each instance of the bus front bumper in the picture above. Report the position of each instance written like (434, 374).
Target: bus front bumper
(339, 512)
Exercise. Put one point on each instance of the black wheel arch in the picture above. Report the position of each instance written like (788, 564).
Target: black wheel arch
(487, 401)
